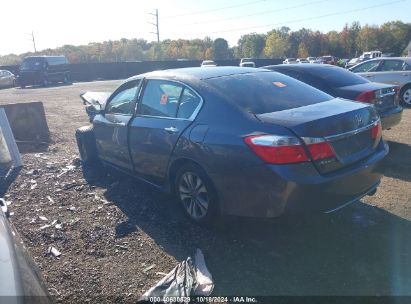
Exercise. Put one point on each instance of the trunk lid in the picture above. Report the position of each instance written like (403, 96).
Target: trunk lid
(385, 95)
(346, 125)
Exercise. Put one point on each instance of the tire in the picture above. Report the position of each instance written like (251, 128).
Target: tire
(196, 195)
(405, 95)
(86, 143)
(66, 79)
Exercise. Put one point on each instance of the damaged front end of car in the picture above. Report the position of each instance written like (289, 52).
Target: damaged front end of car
(95, 102)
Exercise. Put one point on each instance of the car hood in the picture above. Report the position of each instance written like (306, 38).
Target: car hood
(96, 99)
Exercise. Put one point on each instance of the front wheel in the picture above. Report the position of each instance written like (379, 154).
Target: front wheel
(86, 143)
(405, 95)
(196, 194)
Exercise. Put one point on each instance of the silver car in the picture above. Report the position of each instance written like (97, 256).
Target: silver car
(7, 79)
(391, 70)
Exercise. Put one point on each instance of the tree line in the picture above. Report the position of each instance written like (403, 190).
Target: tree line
(391, 37)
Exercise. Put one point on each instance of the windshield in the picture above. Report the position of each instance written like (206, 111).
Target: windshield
(32, 64)
(267, 92)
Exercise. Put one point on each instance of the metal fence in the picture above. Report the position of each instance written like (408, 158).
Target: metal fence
(121, 70)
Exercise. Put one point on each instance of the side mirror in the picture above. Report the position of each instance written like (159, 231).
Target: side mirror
(93, 110)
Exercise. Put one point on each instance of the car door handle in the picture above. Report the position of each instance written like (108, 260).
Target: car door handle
(368, 75)
(171, 129)
(118, 124)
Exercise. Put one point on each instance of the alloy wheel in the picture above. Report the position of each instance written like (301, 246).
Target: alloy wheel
(194, 195)
(406, 97)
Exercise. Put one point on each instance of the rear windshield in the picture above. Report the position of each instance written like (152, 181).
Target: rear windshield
(267, 92)
(337, 77)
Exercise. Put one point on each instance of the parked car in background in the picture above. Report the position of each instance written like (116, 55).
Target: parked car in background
(352, 62)
(290, 60)
(208, 63)
(7, 79)
(304, 148)
(339, 82)
(43, 70)
(302, 60)
(247, 62)
(391, 70)
(329, 60)
(311, 59)
(20, 279)
(370, 55)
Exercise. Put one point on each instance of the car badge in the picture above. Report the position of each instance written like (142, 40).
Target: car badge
(358, 120)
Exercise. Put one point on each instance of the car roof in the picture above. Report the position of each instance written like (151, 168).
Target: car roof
(303, 67)
(198, 73)
(406, 59)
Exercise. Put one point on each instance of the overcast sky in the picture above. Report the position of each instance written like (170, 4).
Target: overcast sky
(56, 22)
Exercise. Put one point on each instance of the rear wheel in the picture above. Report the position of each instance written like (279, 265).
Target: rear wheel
(86, 143)
(196, 194)
(405, 95)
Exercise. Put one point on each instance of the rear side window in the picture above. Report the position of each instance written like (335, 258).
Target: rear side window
(392, 65)
(267, 92)
(161, 98)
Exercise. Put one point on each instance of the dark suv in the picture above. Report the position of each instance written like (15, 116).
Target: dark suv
(43, 70)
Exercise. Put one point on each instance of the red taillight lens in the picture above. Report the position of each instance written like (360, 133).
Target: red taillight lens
(368, 96)
(321, 150)
(275, 149)
(376, 131)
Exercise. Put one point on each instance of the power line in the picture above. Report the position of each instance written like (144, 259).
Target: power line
(256, 14)
(213, 10)
(303, 19)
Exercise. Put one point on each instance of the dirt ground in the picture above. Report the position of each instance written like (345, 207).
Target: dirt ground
(113, 227)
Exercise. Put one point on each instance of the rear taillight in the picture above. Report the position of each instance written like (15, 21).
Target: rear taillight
(274, 149)
(319, 148)
(376, 132)
(368, 97)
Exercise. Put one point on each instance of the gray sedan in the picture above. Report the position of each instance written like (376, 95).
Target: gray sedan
(7, 79)
(392, 70)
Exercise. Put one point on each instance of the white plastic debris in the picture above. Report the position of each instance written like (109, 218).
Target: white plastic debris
(204, 279)
(149, 268)
(44, 227)
(59, 226)
(52, 250)
(43, 218)
(189, 278)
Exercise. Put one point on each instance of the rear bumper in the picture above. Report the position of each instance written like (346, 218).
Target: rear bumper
(272, 191)
(391, 117)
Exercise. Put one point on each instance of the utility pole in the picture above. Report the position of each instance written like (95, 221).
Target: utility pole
(34, 42)
(157, 32)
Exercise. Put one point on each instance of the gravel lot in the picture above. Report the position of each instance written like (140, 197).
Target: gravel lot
(119, 226)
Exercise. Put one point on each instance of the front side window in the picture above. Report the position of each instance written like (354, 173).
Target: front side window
(124, 100)
(392, 65)
(369, 66)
